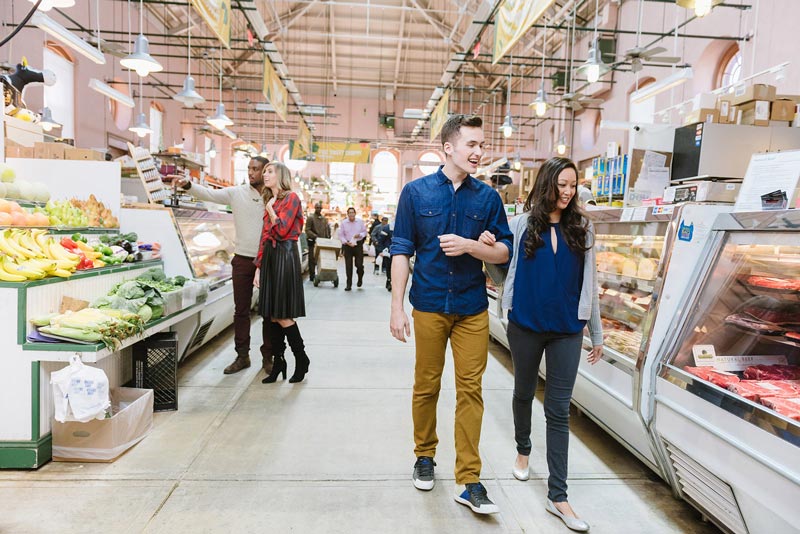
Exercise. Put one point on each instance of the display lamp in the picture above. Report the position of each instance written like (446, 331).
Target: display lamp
(212, 150)
(701, 7)
(540, 104)
(140, 128)
(189, 97)
(47, 5)
(140, 60)
(220, 121)
(47, 121)
(508, 126)
(517, 165)
(594, 67)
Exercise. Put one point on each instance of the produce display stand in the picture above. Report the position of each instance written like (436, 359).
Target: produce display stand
(148, 173)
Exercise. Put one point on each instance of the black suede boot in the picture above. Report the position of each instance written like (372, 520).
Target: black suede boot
(298, 349)
(276, 336)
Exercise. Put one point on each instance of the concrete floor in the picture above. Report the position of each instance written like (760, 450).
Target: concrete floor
(332, 454)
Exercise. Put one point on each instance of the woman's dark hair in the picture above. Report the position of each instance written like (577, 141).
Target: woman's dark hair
(541, 202)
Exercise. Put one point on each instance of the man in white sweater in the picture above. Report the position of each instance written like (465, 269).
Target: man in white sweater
(248, 215)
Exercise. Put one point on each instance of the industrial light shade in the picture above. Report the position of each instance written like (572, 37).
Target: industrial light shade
(47, 121)
(561, 146)
(507, 127)
(188, 96)
(106, 90)
(701, 7)
(220, 121)
(539, 105)
(140, 60)
(47, 5)
(594, 67)
(140, 128)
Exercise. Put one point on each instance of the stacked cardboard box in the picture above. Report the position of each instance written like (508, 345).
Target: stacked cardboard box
(757, 105)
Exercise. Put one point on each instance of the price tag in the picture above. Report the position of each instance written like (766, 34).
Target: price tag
(627, 215)
(740, 363)
(640, 213)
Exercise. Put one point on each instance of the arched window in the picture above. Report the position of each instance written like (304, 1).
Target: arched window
(157, 125)
(385, 171)
(433, 157)
(730, 67)
(295, 165)
(60, 98)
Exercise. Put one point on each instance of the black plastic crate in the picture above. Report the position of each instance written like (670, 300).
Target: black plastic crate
(155, 366)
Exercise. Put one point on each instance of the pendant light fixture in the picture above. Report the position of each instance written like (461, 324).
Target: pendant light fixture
(701, 7)
(220, 121)
(561, 146)
(47, 5)
(47, 121)
(539, 105)
(140, 59)
(594, 67)
(507, 127)
(212, 150)
(189, 97)
(140, 128)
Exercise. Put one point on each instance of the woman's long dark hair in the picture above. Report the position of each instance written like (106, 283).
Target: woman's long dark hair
(541, 202)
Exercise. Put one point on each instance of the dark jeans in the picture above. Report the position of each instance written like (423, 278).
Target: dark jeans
(351, 253)
(562, 353)
(244, 271)
(312, 261)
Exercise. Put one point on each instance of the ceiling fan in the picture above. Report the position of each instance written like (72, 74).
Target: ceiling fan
(638, 54)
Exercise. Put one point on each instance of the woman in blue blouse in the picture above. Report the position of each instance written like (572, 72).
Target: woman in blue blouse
(551, 292)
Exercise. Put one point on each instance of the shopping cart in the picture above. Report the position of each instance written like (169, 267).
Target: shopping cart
(326, 253)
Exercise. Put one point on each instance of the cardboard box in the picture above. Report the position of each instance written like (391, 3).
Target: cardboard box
(757, 91)
(701, 115)
(105, 440)
(19, 151)
(49, 150)
(755, 113)
(22, 132)
(83, 154)
(794, 98)
(704, 100)
(782, 110)
(725, 109)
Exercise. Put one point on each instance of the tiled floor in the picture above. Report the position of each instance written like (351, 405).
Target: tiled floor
(332, 454)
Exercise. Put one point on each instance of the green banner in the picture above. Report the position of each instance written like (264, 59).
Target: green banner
(513, 20)
(334, 152)
(274, 91)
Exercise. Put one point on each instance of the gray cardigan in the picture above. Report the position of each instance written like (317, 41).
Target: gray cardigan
(589, 304)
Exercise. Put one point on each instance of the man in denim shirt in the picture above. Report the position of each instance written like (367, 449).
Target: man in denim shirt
(439, 218)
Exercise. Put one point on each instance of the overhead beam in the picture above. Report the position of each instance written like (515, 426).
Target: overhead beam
(399, 48)
(438, 26)
(290, 19)
(332, 23)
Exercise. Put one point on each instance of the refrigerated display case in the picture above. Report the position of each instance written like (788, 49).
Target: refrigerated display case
(727, 395)
(208, 240)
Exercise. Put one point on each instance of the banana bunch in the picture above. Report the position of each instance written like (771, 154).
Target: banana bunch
(32, 255)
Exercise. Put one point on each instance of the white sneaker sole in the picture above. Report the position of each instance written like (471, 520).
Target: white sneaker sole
(485, 510)
(423, 485)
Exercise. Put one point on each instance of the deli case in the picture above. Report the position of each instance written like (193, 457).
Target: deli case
(726, 405)
(644, 258)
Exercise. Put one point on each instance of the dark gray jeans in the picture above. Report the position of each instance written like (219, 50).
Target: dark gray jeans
(562, 353)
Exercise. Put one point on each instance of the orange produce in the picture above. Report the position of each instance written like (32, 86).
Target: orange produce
(18, 219)
(15, 207)
(5, 219)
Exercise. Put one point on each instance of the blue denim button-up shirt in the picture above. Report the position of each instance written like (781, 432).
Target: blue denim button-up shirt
(430, 207)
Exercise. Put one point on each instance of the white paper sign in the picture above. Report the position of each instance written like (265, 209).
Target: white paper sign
(778, 171)
(640, 213)
(627, 215)
(704, 355)
(740, 363)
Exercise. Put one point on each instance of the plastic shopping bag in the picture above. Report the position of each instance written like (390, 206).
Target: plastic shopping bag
(80, 392)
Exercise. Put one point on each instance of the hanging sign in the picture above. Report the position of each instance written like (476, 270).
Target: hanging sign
(513, 20)
(274, 91)
(302, 146)
(217, 14)
(336, 152)
(439, 115)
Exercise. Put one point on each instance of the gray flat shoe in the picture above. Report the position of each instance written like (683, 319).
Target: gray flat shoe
(572, 523)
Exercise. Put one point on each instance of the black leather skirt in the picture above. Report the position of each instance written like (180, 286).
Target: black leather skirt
(280, 293)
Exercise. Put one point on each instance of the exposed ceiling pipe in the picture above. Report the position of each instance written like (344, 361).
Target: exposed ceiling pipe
(399, 48)
(332, 23)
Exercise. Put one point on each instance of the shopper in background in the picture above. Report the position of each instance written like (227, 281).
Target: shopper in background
(316, 226)
(440, 218)
(279, 275)
(381, 236)
(551, 292)
(376, 221)
(247, 206)
(352, 233)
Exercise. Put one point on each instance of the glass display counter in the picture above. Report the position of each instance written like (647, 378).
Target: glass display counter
(208, 239)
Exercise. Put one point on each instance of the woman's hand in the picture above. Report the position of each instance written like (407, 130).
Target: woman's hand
(595, 354)
(257, 278)
(271, 203)
(487, 238)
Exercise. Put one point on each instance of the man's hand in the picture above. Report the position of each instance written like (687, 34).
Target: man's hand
(399, 325)
(595, 354)
(183, 182)
(487, 238)
(454, 245)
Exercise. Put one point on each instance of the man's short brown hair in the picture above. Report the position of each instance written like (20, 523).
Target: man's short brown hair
(452, 126)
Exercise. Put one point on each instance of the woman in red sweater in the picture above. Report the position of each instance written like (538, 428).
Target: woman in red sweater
(279, 275)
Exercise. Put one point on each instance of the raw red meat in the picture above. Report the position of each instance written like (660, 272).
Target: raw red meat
(794, 336)
(772, 372)
(700, 372)
(788, 407)
(754, 390)
(754, 325)
(780, 317)
(782, 388)
(774, 283)
(722, 378)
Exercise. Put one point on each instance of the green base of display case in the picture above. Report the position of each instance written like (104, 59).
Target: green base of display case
(26, 454)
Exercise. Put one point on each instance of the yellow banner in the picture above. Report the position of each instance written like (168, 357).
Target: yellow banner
(274, 91)
(302, 145)
(513, 20)
(439, 115)
(217, 14)
(334, 152)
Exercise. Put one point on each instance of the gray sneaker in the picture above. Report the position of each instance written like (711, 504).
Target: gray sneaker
(423, 473)
(474, 496)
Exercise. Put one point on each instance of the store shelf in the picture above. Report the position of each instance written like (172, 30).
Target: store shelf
(61, 352)
(765, 337)
(86, 274)
(63, 230)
